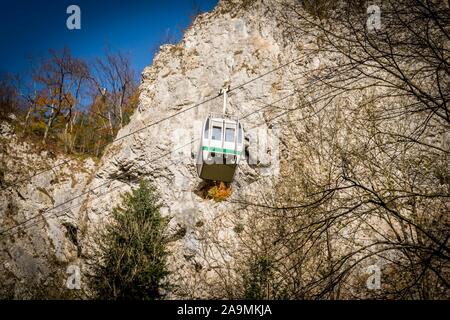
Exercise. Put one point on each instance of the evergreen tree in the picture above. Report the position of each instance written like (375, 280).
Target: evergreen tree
(132, 252)
(258, 279)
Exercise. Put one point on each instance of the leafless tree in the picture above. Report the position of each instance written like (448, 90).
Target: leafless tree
(365, 161)
(62, 77)
(114, 81)
(9, 96)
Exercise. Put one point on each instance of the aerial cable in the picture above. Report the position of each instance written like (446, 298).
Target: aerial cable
(42, 214)
(154, 123)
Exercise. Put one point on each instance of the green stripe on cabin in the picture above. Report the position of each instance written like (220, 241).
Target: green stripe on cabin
(220, 150)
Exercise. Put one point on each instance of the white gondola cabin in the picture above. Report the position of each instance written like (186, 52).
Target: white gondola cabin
(221, 148)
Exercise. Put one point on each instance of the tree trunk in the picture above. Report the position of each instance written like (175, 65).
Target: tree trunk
(110, 124)
(49, 124)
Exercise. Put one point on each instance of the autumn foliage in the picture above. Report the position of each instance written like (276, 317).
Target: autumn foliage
(71, 105)
(218, 191)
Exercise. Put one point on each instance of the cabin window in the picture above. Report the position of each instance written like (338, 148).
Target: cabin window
(216, 133)
(229, 134)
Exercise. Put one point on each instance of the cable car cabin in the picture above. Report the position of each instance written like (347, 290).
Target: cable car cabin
(221, 147)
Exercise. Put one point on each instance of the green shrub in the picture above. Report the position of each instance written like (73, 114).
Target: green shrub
(258, 279)
(132, 253)
(38, 128)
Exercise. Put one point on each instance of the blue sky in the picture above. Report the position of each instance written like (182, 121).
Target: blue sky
(31, 27)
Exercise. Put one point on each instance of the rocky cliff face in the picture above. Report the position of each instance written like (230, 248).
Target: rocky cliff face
(228, 46)
(38, 241)
(291, 146)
